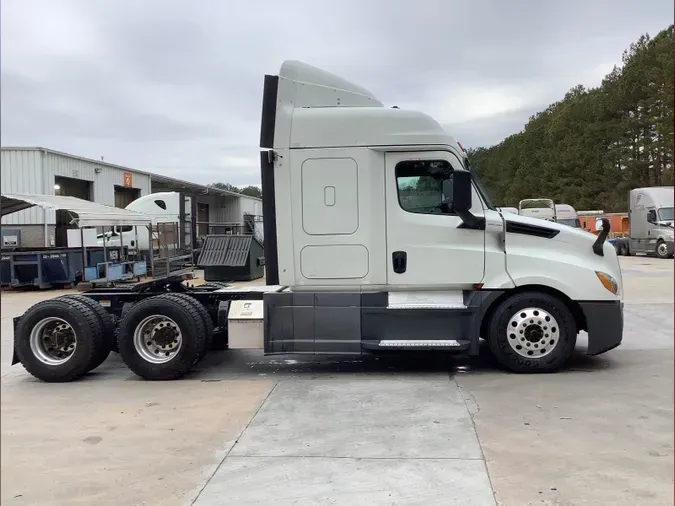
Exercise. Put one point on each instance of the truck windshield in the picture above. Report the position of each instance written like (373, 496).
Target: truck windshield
(666, 214)
(570, 222)
(481, 190)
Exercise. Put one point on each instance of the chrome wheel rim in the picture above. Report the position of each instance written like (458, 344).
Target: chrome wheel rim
(53, 341)
(158, 339)
(533, 333)
(662, 249)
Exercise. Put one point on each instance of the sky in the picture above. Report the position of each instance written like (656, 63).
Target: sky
(172, 88)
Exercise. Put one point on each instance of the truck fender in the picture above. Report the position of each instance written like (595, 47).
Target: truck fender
(221, 318)
(546, 281)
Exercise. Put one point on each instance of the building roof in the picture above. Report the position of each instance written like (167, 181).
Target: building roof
(85, 213)
(169, 182)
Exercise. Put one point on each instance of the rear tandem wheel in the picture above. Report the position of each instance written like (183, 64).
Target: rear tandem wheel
(206, 317)
(107, 324)
(60, 340)
(162, 337)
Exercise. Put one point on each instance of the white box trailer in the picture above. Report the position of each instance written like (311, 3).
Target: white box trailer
(378, 237)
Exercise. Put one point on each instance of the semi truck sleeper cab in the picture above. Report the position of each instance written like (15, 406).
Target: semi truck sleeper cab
(378, 236)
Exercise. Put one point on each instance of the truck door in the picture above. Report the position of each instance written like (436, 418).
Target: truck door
(427, 246)
(638, 227)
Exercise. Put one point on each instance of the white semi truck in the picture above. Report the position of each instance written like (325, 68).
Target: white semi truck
(379, 237)
(512, 210)
(650, 223)
(161, 207)
(541, 208)
(567, 215)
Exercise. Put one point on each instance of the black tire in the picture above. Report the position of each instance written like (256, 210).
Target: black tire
(206, 317)
(107, 324)
(125, 309)
(503, 343)
(624, 248)
(89, 339)
(661, 250)
(190, 323)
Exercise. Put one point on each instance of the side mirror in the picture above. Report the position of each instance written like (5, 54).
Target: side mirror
(651, 216)
(461, 191)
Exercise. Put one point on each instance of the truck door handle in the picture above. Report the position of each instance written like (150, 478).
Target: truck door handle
(399, 260)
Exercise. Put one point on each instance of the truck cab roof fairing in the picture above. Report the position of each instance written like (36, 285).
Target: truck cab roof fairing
(299, 85)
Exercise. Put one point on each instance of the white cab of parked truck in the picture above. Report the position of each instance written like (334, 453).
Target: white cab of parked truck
(161, 207)
(379, 237)
(567, 215)
(543, 209)
(512, 210)
(385, 238)
(650, 219)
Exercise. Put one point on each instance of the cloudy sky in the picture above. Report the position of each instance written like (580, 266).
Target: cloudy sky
(172, 88)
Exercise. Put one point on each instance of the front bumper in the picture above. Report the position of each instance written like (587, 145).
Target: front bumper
(604, 322)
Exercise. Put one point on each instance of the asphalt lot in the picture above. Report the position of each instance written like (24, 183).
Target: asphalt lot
(247, 429)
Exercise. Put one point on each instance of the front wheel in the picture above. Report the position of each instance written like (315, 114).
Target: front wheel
(662, 250)
(532, 332)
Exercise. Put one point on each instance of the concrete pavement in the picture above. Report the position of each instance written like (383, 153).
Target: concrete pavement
(248, 429)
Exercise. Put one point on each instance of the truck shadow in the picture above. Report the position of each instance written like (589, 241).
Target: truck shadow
(252, 363)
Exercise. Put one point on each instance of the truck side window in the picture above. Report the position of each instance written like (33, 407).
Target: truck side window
(425, 186)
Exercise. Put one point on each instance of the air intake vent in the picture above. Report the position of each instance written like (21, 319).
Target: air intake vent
(513, 227)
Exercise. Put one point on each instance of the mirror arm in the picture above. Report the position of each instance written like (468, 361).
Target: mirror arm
(471, 221)
(602, 237)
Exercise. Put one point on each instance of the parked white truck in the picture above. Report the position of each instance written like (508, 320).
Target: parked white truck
(378, 237)
(650, 222)
(543, 209)
(161, 207)
(567, 215)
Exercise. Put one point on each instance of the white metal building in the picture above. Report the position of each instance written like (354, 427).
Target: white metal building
(34, 170)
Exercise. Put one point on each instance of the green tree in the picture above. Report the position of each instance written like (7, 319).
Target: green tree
(251, 191)
(590, 148)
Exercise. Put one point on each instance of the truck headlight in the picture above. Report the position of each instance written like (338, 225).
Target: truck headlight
(608, 281)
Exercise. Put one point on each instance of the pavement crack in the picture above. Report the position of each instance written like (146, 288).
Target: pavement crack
(468, 397)
(343, 457)
(227, 454)
(470, 401)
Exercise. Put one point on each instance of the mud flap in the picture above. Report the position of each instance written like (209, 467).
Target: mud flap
(15, 357)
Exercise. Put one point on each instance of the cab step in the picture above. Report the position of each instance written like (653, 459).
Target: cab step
(453, 299)
(421, 344)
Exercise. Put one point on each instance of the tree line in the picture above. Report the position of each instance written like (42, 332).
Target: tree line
(592, 147)
(251, 191)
